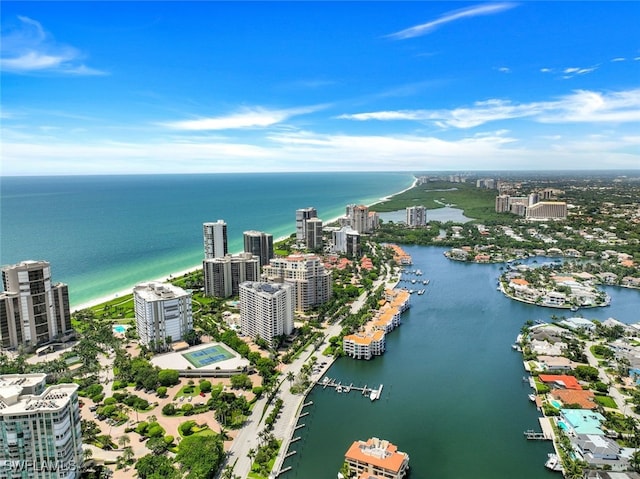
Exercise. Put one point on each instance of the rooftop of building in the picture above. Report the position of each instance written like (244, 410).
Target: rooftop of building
(263, 287)
(13, 401)
(156, 291)
(567, 382)
(584, 399)
(583, 421)
(377, 452)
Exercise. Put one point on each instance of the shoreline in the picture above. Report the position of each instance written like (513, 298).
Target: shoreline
(123, 292)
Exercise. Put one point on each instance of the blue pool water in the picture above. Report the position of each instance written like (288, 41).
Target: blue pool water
(556, 404)
(118, 328)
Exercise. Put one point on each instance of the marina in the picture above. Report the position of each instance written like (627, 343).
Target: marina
(369, 392)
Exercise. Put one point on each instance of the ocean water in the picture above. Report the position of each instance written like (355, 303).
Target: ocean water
(104, 234)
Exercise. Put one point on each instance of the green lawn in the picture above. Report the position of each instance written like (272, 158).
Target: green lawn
(606, 401)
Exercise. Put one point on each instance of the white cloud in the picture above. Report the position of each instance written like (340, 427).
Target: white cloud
(28, 48)
(546, 70)
(579, 107)
(619, 59)
(573, 71)
(504, 69)
(474, 11)
(309, 151)
(246, 118)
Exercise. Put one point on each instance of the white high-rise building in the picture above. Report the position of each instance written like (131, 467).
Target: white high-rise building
(416, 216)
(33, 309)
(215, 239)
(346, 241)
(222, 276)
(302, 215)
(40, 433)
(266, 310)
(163, 313)
(312, 281)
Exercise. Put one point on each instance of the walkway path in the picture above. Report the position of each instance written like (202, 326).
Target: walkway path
(292, 403)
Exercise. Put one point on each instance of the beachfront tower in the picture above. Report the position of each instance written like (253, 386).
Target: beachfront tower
(222, 276)
(33, 309)
(215, 239)
(306, 273)
(313, 239)
(259, 244)
(163, 313)
(302, 215)
(39, 428)
(266, 310)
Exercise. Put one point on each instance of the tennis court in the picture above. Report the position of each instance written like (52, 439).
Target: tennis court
(207, 356)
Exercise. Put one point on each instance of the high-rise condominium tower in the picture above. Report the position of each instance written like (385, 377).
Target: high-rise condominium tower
(259, 244)
(163, 313)
(33, 310)
(313, 239)
(302, 215)
(312, 281)
(222, 276)
(215, 239)
(40, 434)
(416, 216)
(266, 310)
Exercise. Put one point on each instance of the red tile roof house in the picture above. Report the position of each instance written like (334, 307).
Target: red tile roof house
(560, 381)
(585, 399)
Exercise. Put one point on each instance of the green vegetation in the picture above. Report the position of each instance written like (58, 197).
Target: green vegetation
(605, 401)
(475, 202)
(264, 457)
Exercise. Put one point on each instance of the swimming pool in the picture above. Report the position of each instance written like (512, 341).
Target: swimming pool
(555, 404)
(119, 328)
(562, 425)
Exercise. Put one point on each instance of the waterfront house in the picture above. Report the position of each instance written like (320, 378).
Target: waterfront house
(579, 324)
(560, 381)
(581, 421)
(555, 363)
(376, 458)
(582, 398)
(546, 348)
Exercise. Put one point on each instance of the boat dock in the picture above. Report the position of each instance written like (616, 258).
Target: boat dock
(545, 435)
(372, 393)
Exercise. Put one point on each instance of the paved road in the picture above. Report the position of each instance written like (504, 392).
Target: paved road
(292, 403)
(614, 392)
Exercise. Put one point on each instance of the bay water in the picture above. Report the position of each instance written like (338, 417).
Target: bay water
(453, 395)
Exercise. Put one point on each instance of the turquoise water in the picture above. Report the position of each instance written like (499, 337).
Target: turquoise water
(104, 234)
(119, 329)
(556, 404)
(453, 395)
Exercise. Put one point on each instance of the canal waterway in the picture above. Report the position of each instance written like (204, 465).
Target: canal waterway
(453, 395)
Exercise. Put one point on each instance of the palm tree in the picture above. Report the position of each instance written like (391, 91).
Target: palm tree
(251, 454)
(290, 377)
(123, 441)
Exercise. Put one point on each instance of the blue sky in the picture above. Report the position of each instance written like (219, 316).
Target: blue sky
(184, 87)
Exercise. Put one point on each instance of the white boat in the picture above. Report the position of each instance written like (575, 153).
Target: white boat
(421, 291)
(553, 463)
(373, 395)
(532, 397)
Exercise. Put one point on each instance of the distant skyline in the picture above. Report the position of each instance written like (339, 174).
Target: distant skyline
(206, 87)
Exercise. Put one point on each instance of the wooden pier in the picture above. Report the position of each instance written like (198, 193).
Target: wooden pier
(372, 393)
(532, 435)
